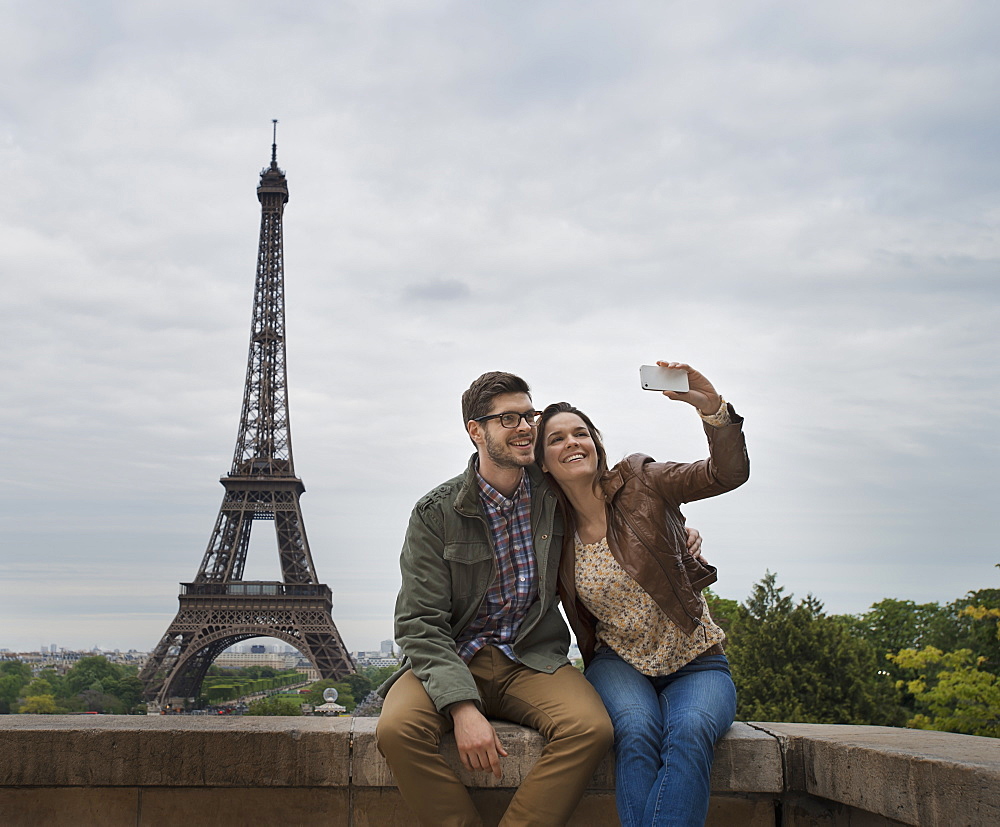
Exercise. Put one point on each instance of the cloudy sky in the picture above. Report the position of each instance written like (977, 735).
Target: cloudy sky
(799, 199)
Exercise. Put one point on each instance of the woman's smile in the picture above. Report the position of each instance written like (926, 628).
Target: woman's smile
(569, 447)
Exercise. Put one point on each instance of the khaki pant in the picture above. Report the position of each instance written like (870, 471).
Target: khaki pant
(562, 706)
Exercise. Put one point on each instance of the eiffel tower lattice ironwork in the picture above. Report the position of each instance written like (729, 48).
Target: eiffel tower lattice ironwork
(219, 608)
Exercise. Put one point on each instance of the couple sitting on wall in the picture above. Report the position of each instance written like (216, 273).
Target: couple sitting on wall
(538, 516)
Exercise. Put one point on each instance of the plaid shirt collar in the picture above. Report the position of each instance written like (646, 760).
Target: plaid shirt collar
(498, 502)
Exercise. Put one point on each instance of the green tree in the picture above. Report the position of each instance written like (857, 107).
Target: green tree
(972, 627)
(95, 700)
(56, 681)
(90, 669)
(360, 685)
(10, 690)
(722, 609)
(792, 662)
(378, 674)
(15, 668)
(128, 690)
(94, 684)
(39, 686)
(39, 705)
(951, 691)
(276, 705)
(891, 625)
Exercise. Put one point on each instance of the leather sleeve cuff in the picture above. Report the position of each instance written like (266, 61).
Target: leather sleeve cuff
(721, 418)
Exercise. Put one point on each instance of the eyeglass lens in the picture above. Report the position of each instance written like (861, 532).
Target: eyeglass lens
(512, 420)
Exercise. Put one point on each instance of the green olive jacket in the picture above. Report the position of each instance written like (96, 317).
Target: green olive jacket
(448, 564)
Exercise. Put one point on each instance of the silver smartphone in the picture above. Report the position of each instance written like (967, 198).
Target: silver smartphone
(655, 378)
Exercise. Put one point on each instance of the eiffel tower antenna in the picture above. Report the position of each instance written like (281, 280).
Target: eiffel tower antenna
(219, 608)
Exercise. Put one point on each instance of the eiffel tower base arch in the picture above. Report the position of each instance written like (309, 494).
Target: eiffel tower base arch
(213, 617)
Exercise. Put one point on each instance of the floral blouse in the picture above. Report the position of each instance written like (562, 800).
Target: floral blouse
(628, 619)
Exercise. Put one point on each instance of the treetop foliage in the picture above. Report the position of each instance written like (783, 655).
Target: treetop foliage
(922, 665)
(92, 684)
(276, 705)
(792, 662)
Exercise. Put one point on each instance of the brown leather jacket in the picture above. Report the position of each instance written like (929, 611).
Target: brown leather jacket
(646, 529)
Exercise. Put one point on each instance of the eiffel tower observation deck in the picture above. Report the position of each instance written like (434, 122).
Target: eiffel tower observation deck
(218, 608)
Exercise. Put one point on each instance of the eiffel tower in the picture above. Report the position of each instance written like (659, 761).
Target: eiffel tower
(219, 608)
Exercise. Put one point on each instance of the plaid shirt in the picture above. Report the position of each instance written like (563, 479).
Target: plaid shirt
(516, 586)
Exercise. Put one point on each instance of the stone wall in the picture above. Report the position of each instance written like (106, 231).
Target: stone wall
(192, 770)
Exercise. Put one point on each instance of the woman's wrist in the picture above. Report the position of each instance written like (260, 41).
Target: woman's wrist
(720, 418)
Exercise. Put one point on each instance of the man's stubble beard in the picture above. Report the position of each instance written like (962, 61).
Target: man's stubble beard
(497, 452)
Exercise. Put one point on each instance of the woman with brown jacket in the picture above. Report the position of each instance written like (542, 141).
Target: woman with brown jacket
(632, 593)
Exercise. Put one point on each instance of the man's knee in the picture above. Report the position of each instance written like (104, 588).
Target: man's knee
(389, 735)
(604, 733)
(406, 723)
(591, 726)
(587, 718)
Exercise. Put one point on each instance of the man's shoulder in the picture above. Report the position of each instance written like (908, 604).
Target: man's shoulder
(442, 495)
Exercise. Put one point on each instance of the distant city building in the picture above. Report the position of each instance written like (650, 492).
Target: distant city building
(241, 660)
(377, 659)
(307, 670)
(387, 647)
(61, 661)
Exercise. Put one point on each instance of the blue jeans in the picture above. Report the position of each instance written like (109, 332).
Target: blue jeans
(665, 734)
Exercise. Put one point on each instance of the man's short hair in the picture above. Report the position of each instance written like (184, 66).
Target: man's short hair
(478, 399)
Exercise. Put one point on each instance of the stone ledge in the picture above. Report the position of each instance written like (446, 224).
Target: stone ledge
(173, 751)
(909, 776)
(149, 770)
(747, 760)
(187, 751)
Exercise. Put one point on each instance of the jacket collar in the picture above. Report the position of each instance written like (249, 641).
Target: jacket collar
(467, 500)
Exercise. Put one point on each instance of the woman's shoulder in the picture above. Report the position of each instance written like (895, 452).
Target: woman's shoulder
(624, 471)
(638, 469)
(633, 464)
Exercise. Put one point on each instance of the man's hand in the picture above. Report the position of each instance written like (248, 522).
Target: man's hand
(701, 394)
(694, 543)
(477, 741)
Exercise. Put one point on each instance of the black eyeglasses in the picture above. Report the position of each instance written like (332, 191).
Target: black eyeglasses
(511, 419)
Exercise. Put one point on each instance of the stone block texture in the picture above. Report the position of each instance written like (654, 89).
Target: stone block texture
(185, 770)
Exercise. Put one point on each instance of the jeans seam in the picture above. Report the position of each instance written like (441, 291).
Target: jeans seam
(664, 770)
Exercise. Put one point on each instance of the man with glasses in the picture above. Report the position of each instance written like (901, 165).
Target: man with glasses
(478, 624)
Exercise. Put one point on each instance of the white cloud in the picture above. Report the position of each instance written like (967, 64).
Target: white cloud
(799, 200)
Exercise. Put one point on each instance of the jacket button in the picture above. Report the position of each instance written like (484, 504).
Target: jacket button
(545, 536)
